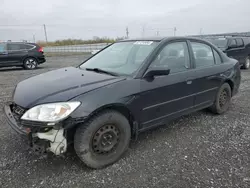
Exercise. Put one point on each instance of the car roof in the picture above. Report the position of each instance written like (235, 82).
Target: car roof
(18, 43)
(226, 37)
(160, 38)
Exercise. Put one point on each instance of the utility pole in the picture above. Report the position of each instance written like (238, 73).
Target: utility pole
(143, 30)
(45, 32)
(175, 31)
(157, 33)
(127, 33)
(34, 38)
(200, 31)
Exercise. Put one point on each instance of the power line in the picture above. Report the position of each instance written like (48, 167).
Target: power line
(28, 25)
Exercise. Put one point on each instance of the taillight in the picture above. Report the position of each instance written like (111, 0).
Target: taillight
(40, 49)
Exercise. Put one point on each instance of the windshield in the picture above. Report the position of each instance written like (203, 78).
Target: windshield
(219, 42)
(122, 58)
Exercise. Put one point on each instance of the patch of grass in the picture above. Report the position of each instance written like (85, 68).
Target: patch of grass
(66, 42)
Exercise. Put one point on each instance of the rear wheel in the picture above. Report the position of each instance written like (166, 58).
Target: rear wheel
(30, 63)
(103, 139)
(246, 65)
(223, 99)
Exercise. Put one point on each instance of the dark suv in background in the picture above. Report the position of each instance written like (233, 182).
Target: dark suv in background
(236, 47)
(26, 55)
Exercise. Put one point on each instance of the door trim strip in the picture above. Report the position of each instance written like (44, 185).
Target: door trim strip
(195, 106)
(166, 102)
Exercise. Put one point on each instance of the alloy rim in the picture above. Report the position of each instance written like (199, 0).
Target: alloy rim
(30, 63)
(247, 62)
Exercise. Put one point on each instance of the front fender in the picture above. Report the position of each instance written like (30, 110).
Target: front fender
(91, 106)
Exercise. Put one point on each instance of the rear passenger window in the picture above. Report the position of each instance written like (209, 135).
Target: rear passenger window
(203, 54)
(14, 47)
(173, 56)
(239, 42)
(217, 57)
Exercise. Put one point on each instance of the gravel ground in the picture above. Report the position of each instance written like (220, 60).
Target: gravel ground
(198, 150)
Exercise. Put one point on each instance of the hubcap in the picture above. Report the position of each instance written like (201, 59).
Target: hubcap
(223, 98)
(247, 62)
(30, 63)
(105, 139)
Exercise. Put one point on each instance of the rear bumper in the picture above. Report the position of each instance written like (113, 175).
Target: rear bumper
(12, 121)
(41, 60)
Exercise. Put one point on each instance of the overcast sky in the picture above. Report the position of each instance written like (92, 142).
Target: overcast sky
(85, 19)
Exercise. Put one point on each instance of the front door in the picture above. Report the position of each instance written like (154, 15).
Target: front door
(235, 51)
(3, 54)
(16, 53)
(167, 97)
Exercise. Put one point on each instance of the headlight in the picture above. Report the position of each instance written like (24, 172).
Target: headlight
(50, 112)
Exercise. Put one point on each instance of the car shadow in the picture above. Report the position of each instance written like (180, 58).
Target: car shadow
(175, 125)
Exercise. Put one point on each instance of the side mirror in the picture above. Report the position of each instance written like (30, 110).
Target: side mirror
(152, 72)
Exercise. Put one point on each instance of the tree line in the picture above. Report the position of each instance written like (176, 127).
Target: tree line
(65, 42)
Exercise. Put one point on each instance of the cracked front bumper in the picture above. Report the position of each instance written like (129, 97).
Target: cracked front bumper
(12, 121)
(47, 139)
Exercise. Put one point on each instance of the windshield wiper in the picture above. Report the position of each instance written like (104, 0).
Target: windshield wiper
(101, 71)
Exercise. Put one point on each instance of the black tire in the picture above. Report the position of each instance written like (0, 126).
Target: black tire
(223, 99)
(30, 63)
(90, 138)
(246, 65)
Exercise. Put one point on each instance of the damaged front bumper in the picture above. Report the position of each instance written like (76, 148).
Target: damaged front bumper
(51, 139)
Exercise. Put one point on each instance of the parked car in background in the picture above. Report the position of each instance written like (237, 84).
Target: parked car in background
(94, 51)
(236, 47)
(126, 88)
(21, 54)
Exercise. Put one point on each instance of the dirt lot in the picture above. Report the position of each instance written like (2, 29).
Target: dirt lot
(198, 150)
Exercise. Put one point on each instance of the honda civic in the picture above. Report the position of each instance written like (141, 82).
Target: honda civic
(126, 88)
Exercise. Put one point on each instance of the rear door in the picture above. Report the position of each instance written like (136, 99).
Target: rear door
(208, 68)
(3, 54)
(235, 51)
(241, 50)
(16, 53)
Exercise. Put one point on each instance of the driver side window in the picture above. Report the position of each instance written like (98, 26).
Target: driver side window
(173, 56)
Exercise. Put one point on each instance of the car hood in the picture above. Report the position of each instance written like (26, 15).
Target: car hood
(59, 85)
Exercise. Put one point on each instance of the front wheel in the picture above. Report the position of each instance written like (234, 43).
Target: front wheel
(30, 63)
(103, 139)
(223, 99)
(246, 65)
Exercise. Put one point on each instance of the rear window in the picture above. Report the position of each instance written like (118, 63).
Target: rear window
(28, 46)
(14, 47)
(246, 41)
(219, 42)
(239, 42)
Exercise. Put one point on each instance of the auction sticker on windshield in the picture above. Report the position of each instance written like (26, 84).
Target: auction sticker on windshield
(143, 42)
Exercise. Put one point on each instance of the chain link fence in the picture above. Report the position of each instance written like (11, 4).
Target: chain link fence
(84, 48)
